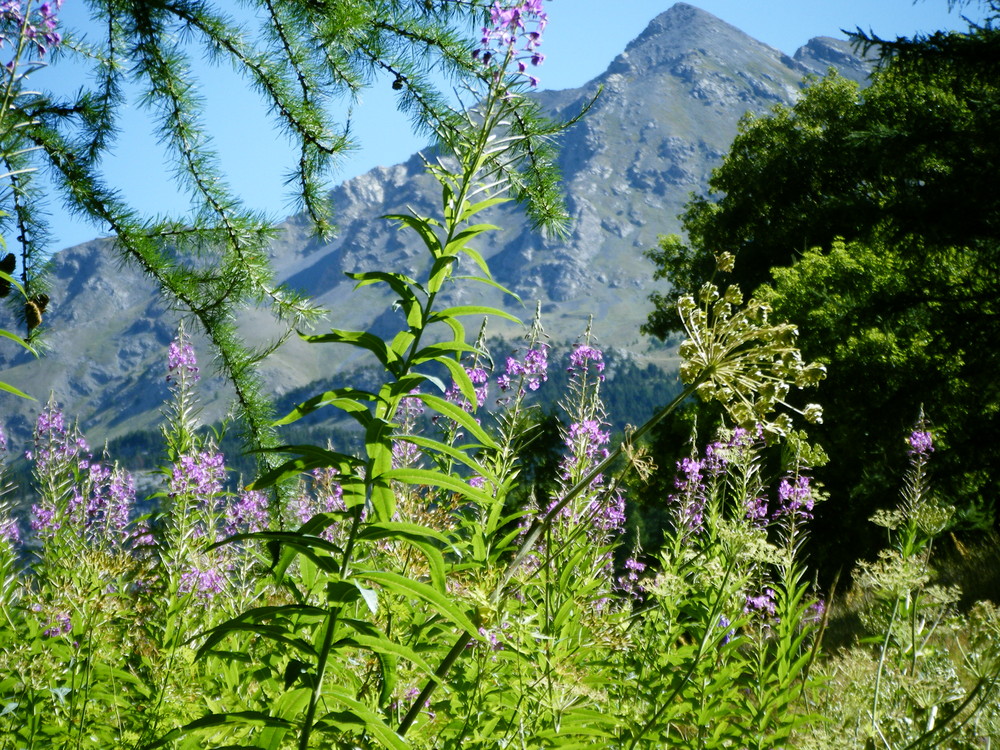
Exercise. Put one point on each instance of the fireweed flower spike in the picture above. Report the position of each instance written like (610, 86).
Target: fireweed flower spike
(921, 443)
(181, 361)
(37, 25)
(514, 34)
(529, 372)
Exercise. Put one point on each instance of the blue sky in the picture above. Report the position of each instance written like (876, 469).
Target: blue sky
(582, 38)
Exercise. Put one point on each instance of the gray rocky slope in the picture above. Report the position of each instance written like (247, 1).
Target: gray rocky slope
(668, 111)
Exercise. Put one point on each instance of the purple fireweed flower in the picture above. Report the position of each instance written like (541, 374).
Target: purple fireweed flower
(509, 25)
(586, 442)
(404, 453)
(143, 536)
(61, 625)
(411, 406)
(200, 476)
(326, 496)
(480, 381)
(815, 613)
(491, 638)
(608, 513)
(587, 438)
(249, 514)
(102, 511)
(121, 497)
(692, 497)
(629, 584)
(44, 521)
(529, 373)
(181, 360)
(204, 584)
(921, 443)
(38, 26)
(536, 365)
(9, 531)
(691, 470)
(478, 482)
(796, 498)
(583, 355)
(715, 460)
(723, 624)
(756, 510)
(763, 603)
(329, 493)
(634, 568)
(56, 446)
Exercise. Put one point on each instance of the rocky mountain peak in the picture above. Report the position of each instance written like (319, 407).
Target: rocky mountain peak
(680, 31)
(824, 52)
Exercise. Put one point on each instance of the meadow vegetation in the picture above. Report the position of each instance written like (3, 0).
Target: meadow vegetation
(417, 588)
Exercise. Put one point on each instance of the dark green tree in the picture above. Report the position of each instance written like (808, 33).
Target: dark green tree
(299, 55)
(870, 218)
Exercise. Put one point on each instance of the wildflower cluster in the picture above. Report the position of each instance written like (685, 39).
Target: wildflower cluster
(181, 361)
(529, 372)
(323, 495)
(583, 355)
(10, 533)
(37, 26)
(796, 497)
(480, 381)
(249, 514)
(511, 25)
(921, 443)
(55, 445)
(88, 498)
(199, 476)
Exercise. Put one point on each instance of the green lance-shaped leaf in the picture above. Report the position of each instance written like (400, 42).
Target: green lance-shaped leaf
(362, 339)
(469, 210)
(463, 310)
(456, 453)
(410, 589)
(457, 243)
(340, 592)
(283, 546)
(440, 272)
(428, 541)
(423, 227)
(456, 414)
(360, 716)
(351, 400)
(478, 259)
(402, 285)
(434, 478)
(439, 353)
(378, 446)
(278, 635)
(213, 721)
(310, 457)
(369, 637)
(490, 282)
(15, 391)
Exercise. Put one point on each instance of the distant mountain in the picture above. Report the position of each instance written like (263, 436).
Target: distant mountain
(665, 118)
